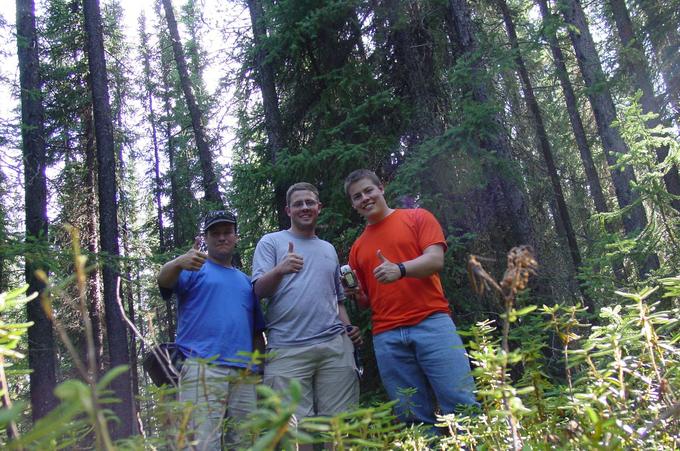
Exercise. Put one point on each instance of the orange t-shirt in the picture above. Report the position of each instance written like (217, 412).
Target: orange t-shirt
(401, 236)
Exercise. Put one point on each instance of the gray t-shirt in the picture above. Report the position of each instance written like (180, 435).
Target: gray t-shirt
(304, 308)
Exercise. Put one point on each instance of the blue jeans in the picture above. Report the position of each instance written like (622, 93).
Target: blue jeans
(428, 357)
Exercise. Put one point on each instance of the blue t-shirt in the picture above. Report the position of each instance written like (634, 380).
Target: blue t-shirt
(218, 313)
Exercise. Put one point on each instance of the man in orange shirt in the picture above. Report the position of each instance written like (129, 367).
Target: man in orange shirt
(397, 260)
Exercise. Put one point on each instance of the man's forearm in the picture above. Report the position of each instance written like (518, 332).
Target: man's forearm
(267, 284)
(342, 313)
(169, 273)
(431, 262)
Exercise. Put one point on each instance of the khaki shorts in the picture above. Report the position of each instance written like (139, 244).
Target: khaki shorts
(213, 392)
(325, 371)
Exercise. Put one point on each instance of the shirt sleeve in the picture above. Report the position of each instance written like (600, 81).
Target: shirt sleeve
(264, 258)
(429, 230)
(353, 260)
(354, 264)
(179, 288)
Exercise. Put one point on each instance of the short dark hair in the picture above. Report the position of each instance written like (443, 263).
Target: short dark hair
(359, 174)
(216, 217)
(301, 186)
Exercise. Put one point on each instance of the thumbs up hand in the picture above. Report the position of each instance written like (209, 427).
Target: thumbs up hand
(193, 259)
(386, 271)
(292, 262)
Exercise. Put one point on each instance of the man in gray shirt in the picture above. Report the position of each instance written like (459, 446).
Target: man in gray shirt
(306, 319)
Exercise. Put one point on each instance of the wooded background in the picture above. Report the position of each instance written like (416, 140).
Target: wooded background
(553, 124)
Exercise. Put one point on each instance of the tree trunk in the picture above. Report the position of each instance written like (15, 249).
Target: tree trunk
(605, 113)
(3, 242)
(563, 219)
(149, 96)
(158, 188)
(178, 233)
(665, 39)
(108, 210)
(212, 193)
(266, 79)
(177, 229)
(41, 346)
(92, 237)
(415, 69)
(130, 301)
(142, 349)
(632, 58)
(506, 198)
(126, 286)
(594, 185)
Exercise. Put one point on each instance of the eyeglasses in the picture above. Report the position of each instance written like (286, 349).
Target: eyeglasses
(309, 203)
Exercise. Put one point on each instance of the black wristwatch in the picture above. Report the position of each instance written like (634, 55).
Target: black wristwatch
(402, 270)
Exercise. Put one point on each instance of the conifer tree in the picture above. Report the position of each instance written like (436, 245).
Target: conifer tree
(604, 111)
(210, 182)
(661, 19)
(108, 210)
(563, 216)
(634, 60)
(71, 139)
(124, 139)
(149, 90)
(594, 185)
(41, 347)
(181, 154)
(270, 101)
(505, 198)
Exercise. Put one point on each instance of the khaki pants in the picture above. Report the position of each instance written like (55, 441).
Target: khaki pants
(215, 391)
(326, 372)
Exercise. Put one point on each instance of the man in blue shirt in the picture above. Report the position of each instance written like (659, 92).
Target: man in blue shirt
(218, 318)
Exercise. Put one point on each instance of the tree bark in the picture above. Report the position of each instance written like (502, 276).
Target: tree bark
(605, 113)
(92, 237)
(633, 60)
(108, 210)
(266, 79)
(563, 219)
(212, 193)
(41, 346)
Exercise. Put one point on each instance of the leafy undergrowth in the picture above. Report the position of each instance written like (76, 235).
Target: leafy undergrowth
(564, 383)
